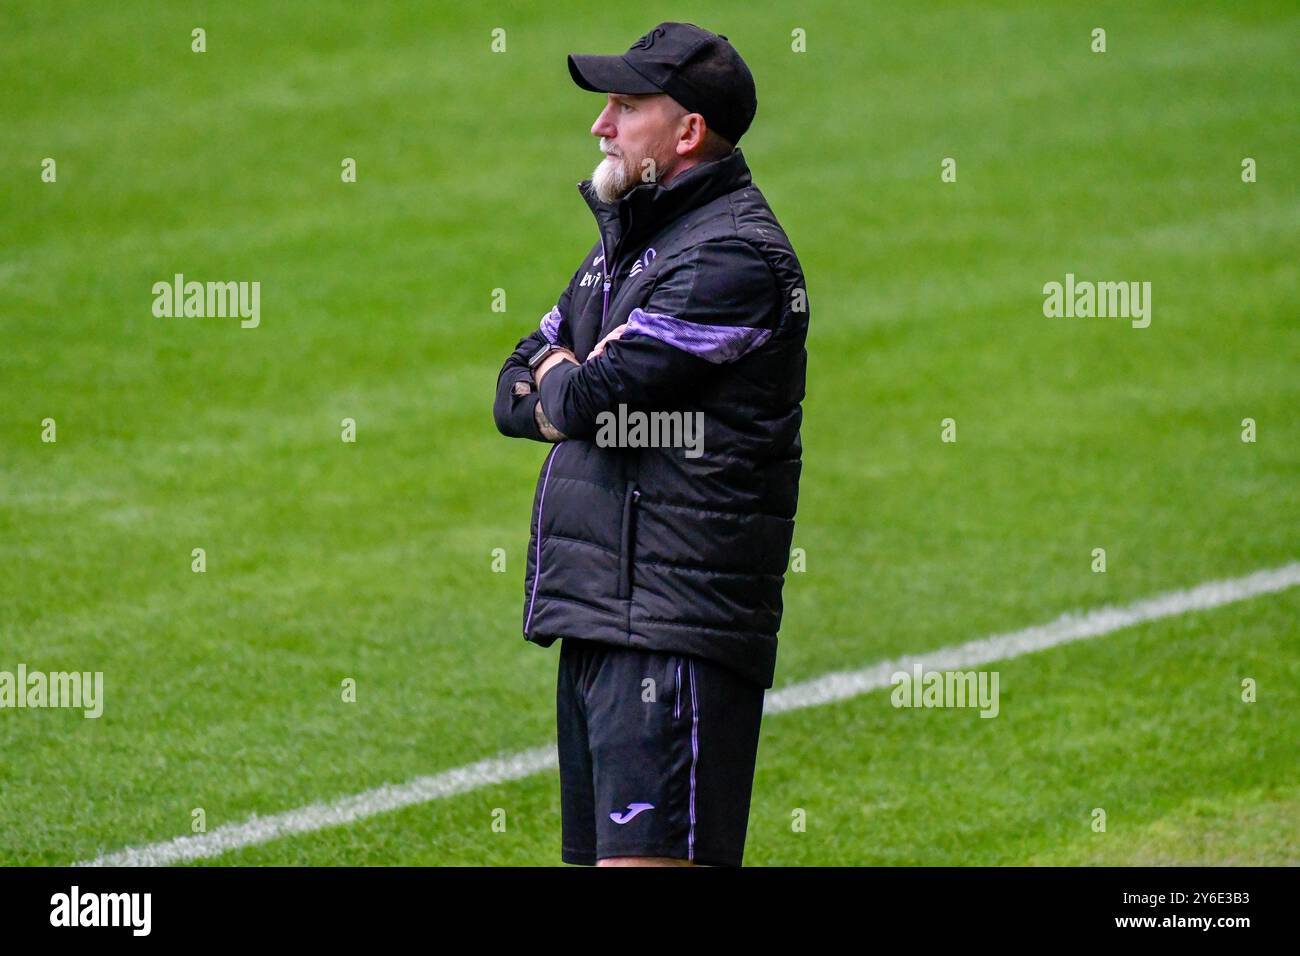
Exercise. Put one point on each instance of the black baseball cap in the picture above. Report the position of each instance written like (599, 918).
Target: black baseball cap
(700, 70)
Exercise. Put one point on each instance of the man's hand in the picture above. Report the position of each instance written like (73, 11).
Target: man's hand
(556, 356)
(549, 431)
(613, 335)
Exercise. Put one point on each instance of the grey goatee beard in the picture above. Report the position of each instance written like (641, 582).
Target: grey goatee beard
(610, 179)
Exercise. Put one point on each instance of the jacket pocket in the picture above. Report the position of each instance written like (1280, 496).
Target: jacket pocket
(628, 543)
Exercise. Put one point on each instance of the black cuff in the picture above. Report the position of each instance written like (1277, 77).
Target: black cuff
(516, 414)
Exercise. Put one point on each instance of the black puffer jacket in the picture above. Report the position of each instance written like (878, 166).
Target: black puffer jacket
(650, 547)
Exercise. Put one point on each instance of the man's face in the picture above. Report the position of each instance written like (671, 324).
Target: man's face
(637, 135)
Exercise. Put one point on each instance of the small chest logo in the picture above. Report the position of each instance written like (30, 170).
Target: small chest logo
(641, 263)
(591, 278)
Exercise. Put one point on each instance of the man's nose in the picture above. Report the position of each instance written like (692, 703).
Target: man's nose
(604, 125)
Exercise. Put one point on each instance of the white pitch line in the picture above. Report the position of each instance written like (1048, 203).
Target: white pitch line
(827, 689)
(842, 685)
(319, 816)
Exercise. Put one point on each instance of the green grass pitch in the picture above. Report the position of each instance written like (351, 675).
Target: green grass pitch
(373, 560)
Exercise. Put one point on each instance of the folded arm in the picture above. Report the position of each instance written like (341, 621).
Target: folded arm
(712, 306)
(516, 409)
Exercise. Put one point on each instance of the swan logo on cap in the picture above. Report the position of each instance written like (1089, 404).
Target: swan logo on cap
(647, 41)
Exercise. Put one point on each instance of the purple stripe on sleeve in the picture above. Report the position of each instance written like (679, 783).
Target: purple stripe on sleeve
(715, 343)
(551, 325)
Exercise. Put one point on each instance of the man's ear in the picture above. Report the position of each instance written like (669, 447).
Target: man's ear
(691, 134)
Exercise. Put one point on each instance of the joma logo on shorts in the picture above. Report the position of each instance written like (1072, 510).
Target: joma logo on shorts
(632, 810)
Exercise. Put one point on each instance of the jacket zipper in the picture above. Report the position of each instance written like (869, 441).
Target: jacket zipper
(629, 536)
(609, 273)
(605, 278)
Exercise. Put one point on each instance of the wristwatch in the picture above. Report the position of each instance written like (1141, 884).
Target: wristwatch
(540, 356)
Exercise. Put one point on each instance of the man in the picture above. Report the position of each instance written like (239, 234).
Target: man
(661, 568)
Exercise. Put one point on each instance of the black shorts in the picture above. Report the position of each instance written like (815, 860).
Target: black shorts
(657, 754)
